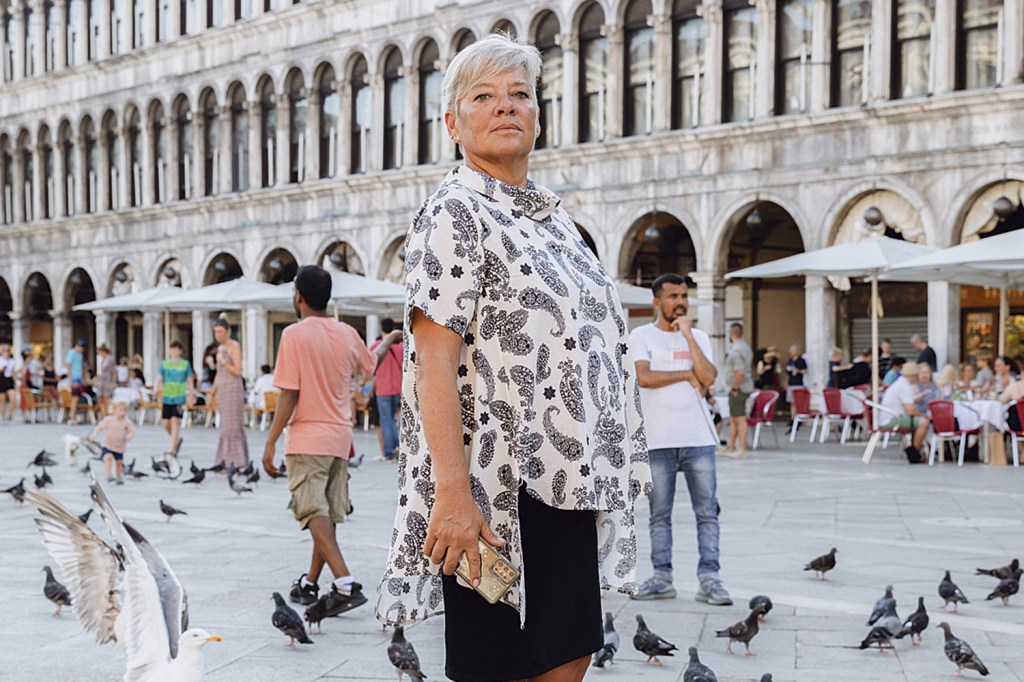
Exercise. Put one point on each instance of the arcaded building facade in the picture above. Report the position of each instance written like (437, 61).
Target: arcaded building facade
(181, 143)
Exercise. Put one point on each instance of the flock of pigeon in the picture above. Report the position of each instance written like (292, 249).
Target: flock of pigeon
(126, 593)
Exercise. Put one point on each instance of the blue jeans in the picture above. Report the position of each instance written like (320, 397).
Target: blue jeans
(387, 409)
(698, 466)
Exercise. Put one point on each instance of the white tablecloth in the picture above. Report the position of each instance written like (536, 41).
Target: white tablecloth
(852, 402)
(990, 412)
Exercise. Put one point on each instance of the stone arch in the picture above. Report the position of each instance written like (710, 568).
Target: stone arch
(222, 266)
(963, 209)
(539, 15)
(725, 224)
(350, 258)
(422, 42)
(79, 288)
(278, 266)
(6, 306)
(79, 283)
(580, 7)
(36, 304)
(461, 38)
(121, 278)
(656, 242)
(848, 199)
(505, 25)
(392, 264)
(170, 272)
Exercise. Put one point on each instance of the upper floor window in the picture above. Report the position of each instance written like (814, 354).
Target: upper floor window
(298, 113)
(134, 162)
(912, 47)
(211, 143)
(329, 111)
(8, 46)
(185, 144)
(239, 140)
(394, 111)
(430, 119)
(851, 52)
(639, 69)
(739, 79)
(793, 57)
(550, 89)
(689, 35)
(362, 115)
(158, 153)
(979, 43)
(93, 19)
(268, 133)
(53, 60)
(593, 76)
(31, 39)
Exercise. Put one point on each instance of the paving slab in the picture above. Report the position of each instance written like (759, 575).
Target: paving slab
(892, 523)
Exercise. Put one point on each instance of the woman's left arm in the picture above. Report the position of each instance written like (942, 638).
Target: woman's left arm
(235, 353)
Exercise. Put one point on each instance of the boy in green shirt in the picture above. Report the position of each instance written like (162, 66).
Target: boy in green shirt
(178, 382)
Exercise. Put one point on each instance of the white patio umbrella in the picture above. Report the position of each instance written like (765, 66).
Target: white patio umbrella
(867, 258)
(634, 297)
(995, 262)
(144, 301)
(352, 294)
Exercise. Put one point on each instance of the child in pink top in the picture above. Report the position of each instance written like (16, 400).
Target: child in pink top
(119, 430)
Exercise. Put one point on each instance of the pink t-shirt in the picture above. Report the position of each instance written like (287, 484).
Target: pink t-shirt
(117, 432)
(389, 374)
(318, 357)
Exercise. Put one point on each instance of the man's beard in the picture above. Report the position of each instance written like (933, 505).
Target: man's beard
(671, 317)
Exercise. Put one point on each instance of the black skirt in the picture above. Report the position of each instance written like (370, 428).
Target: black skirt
(484, 643)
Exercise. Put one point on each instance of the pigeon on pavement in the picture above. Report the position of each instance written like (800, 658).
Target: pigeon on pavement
(287, 621)
(170, 511)
(879, 609)
(767, 677)
(611, 643)
(1007, 587)
(951, 593)
(216, 468)
(915, 624)
(17, 491)
(764, 602)
(43, 459)
(315, 613)
(130, 471)
(355, 462)
(197, 476)
(697, 671)
(886, 627)
(1002, 572)
(403, 656)
(237, 486)
(253, 478)
(44, 480)
(961, 653)
(646, 642)
(823, 564)
(55, 592)
(743, 631)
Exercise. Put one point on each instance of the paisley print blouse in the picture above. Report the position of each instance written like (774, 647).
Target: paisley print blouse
(549, 397)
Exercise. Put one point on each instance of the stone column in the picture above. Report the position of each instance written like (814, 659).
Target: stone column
(81, 13)
(152, 342)
(61, 337)
(254, 346)
(3, 197)
(615, 87)
(410, 143)
(198, 158)
(881, 50)
(820, 333)
(570, 44)
(150, 19)
(710, 304)
(124, 174)
(18, 189)
(103, 172)
(36, 26)
(1013, 48)
(146, 161)
(60, 181)
(312, 153)
(19, 329)
(944, 46)
(60, 59)
(18, 30)
(105, 329)
(202, 334)
(714, 55)
(944, 321)
(126, 34)
(662, 24)
(82, 179)
(343, 150)
(224, 151)
(173, 28)
(375, 147)
(821, 46)
(38, 181)
(257, 8)
(255, 114)
(282, 156)
(103, 50)
(764, 71)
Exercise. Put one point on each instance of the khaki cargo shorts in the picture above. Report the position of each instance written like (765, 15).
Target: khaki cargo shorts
(319, 487)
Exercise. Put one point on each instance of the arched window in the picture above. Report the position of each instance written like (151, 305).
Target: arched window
(214, 14)
(740, 62)
(913, 46)
(239, 140)
(689, 34)
(112, 152)
(158, 152)
(134, 162)
(50, 30)
(464, 40)
(91, 174)
(793, 62)
(978, 43)
(66, 149)
(28, 176)
(8, 46)
(394, 110)
(243, 9)
(549, 90)
(46, 189)
(505, 27)
(6, 182)
(430, 118)
(28, 24)
(298, 111)
(362, 115)
(185, 143)
(211, 143)
(328, 115)
(639, 69)
(268, 133)
(851, 31)
(593, 78)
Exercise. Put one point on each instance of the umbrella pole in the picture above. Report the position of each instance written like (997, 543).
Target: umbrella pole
(335, 304)
(874, 350)
(1004, 313)
(167, 327)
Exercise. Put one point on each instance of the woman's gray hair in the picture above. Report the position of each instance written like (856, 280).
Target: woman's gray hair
(494, 54)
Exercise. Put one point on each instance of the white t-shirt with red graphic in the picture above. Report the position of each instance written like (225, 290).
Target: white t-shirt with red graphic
(675, 416)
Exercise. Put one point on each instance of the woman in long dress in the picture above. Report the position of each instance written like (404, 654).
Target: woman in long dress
(232, 448)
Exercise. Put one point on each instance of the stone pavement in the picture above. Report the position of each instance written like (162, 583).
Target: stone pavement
(891, 523)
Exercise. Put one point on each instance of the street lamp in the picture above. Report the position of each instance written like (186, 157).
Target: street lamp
(873, 216)
(1003, 208)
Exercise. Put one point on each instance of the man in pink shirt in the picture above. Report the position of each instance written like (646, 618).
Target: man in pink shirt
(388, 389)
(315, 363)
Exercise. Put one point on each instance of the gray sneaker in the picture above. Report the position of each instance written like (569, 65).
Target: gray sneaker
(713, 592)
(658, 586)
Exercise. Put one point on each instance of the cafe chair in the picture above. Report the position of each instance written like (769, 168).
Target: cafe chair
(762, 413)
(1016, 436)
(885, 415)
(834, 413)
(944, 429)
(801, 411)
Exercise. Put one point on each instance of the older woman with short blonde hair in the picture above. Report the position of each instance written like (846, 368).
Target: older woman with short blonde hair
(520, 413)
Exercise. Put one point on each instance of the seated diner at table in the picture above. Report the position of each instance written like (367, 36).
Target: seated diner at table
(899, 401)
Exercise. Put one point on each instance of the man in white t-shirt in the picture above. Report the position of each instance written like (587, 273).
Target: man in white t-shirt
(675, 368)
(899, 399)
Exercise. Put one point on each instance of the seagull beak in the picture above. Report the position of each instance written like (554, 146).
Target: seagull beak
(215, 638)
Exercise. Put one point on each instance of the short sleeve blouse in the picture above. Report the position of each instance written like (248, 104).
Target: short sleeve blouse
(549, 399)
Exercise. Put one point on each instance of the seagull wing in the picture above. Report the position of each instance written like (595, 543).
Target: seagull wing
(90, 567)
(172, 595)
(146, 640)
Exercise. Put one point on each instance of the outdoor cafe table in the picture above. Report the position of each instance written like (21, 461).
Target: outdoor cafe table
(986, 414)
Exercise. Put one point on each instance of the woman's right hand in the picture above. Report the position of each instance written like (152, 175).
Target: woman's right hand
(455, 524)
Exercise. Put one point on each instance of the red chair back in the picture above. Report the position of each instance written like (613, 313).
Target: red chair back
(801, 401)
(763, 409)
(1020, 417)
(941, 414)
(833, 400)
